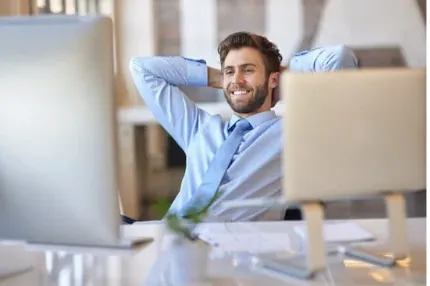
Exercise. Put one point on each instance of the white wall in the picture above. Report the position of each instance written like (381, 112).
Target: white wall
(198, 28)
(284, 25)
(198, 32)
(357, 23)
(372, 23)
(135, 36)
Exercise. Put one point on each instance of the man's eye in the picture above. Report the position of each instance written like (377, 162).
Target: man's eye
(249, 71)
(228, 72)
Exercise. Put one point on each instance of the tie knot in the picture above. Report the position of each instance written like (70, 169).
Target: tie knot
(242, 125)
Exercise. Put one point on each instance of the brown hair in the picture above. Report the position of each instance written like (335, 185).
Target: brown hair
(271, 56)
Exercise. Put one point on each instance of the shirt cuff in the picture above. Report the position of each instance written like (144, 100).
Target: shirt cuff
(302, 62)
(197, 72)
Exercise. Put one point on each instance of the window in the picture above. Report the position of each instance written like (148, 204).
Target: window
(69, 7)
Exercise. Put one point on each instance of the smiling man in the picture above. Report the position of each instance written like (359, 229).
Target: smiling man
(242, 156)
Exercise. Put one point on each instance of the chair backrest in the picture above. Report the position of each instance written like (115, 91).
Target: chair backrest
(353, 133)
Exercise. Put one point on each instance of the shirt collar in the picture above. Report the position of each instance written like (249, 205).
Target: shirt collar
(254, 120)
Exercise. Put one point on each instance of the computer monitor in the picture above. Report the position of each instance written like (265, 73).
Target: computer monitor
(353, 134)
(58, 153)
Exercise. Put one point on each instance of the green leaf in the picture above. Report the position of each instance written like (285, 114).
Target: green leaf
(193, 216)
(161, 207)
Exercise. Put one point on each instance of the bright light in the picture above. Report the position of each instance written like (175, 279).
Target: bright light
(56, 6)
(41, 3)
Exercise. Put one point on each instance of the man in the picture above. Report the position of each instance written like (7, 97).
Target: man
(249, 76)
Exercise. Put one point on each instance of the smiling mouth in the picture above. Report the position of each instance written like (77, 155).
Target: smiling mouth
(240, 92)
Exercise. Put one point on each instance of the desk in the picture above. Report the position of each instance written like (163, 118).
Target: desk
(131, 268)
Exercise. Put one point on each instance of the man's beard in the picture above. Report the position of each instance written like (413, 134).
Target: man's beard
(259, 97)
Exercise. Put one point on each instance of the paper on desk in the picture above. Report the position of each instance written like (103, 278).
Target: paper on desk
(255, 242)
(341, 232)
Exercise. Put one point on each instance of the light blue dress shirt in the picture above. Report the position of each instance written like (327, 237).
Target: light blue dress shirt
(255, 171)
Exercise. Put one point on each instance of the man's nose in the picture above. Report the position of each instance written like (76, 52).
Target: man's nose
(238, 77)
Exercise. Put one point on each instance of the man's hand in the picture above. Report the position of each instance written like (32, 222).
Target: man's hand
(215, 78)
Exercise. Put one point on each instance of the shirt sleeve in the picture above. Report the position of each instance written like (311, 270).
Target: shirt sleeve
(323, 59)
(158, 79)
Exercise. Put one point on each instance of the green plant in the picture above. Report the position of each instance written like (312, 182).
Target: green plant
(185, 224)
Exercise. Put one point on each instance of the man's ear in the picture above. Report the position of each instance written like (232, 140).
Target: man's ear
(274, 86)
(274, 80)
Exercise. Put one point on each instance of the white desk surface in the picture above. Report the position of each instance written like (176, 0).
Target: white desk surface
(109, 267)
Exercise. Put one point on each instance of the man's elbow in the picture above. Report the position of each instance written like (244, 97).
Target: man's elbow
(136, 65)
(341, 57)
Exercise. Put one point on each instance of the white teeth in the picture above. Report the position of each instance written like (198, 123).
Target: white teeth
(238, 92)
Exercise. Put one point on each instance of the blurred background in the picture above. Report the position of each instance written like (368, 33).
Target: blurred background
(382, 33)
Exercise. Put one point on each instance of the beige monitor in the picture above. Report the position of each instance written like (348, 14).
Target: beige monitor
(350, 135)
(354, 133)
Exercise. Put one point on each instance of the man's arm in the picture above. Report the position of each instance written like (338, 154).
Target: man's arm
(157, 80)
(323, 59)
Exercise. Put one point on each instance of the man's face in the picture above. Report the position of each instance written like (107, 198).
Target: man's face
(246, 85)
